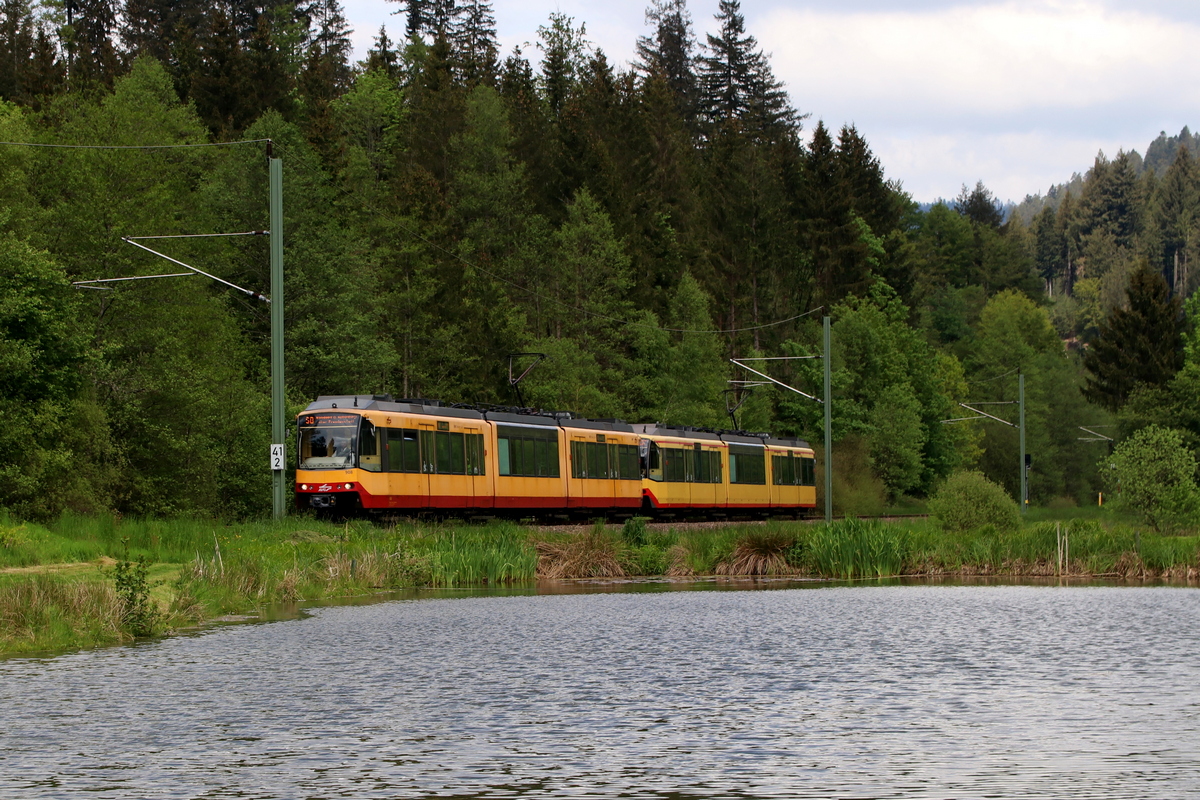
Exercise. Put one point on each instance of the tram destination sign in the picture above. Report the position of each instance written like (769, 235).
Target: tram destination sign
(329, 420)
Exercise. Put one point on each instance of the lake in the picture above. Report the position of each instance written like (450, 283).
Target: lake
(661, 691)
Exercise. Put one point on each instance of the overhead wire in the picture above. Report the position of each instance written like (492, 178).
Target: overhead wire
(411, 232)
(995, 377)
(132, 146)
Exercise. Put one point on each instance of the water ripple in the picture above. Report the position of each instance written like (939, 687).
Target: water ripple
(834, 692)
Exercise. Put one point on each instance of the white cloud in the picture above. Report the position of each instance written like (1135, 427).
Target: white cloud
(1012, 165)
(1019, 94)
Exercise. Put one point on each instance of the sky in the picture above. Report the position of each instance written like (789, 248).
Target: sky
(1018, 94)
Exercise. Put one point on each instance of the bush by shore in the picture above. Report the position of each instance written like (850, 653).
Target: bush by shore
(86, 581)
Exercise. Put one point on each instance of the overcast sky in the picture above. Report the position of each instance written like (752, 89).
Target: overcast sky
(1018, 94)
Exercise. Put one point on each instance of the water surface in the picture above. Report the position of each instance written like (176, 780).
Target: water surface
(856, 692)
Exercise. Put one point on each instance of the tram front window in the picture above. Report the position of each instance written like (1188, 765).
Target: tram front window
(327, 443)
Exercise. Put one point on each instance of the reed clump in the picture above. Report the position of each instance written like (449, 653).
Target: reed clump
(760, 552)
(44, 612)
(594, 554)
(856, 548)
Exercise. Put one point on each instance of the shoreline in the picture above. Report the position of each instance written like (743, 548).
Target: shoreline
(198, 571)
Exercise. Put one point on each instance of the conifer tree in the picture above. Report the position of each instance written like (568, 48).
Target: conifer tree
(736, 81)
(473, 34)
(47, 71)
(219, 87)
(564, 51)
(269, 82)
(382, 57)
(671, 51)
(1138, 346)
(1178, 212)
(93, 56)
(979, 205)
(1110, 204)
(17, 42)
(1049, 245)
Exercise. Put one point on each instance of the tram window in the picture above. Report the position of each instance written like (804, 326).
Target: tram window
(578, 460)
(476, 464)
(402, 451)
(714, 470)
(545, 458)
(527, 452)
(369, 457)
(503, 456)
(451, 458)
(792, 470)
(627, 461)
(412, 451)
(597, 460)
(327, 447)
(808, 471)
(654, 461)
(748, 468)
(675, 465)
(428, 450)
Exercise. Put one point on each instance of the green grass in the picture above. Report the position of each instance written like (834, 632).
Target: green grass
(855, 548)
(56, 580)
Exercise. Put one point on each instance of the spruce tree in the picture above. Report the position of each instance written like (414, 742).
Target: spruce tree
(1141, 345)
(17, 44)
(473, 35)
(1049, 245)
(219, 87)
(564, 50)
(94, 60)
(671, 51)
(1178, 209)
(736, 81)
(382, 57)
(47, 71)
(269, 82)
(979, 205)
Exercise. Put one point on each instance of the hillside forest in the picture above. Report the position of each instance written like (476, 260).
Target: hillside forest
(447, 205)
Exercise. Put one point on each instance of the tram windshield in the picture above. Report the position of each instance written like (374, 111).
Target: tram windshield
(327, 441)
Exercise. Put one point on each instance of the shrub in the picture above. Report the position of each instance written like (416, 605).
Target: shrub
(968, 500)
(1154, 475)
(633, 532)
(139, 614)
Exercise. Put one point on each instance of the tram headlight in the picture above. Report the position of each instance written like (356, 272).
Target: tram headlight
(304, 487)
(349, 485)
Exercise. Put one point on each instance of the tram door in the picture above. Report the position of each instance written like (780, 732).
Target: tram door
(408, 485)
(482, 494)
(443, 460)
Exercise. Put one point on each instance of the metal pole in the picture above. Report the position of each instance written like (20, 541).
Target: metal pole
(277, 430)
(1024, 469)
(828, 432)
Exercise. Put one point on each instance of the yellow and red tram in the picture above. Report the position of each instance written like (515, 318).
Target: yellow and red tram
(371, 452)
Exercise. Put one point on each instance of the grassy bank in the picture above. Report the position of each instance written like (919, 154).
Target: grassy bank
(75, 583)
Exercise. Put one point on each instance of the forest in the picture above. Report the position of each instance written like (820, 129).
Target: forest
(447, 205)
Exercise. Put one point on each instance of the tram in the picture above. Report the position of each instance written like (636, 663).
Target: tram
(370, 453)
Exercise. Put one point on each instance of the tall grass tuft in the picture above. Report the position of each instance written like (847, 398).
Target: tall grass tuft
(856, 548)
(760, 552)
(698, 552)
(594, 554)
(42, 612)
(493, 555)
